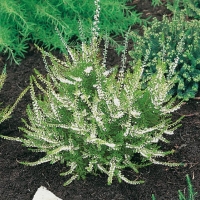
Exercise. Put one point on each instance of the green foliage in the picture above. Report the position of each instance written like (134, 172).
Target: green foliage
(176, 42)
(153, 197)
(191, 193)
(6, 112)
(93, 119)
(2, 77)
(156, 2)
(12, 39)
(22, 21)
(3, 112)
(190, 8)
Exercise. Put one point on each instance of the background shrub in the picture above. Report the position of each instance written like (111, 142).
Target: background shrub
(176, 40)
(190, 8)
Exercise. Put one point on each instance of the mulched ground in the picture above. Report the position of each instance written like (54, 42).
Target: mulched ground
(19, 182)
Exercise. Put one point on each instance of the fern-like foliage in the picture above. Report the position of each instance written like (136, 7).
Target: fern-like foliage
(176, 42)
(93, 121)
(35, 21)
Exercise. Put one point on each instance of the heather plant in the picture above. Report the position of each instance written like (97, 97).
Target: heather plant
(5, 113)
(172, 41)
(93, 119)
(35, 21)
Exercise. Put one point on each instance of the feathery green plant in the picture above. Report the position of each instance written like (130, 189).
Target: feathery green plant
(35, 21)
(12, 41)
(175, 40)
(6, 112)
(93, 121)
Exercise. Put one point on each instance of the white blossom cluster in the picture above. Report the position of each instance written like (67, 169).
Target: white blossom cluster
(95, 28)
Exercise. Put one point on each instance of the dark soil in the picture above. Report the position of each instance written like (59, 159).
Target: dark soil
(19, 182)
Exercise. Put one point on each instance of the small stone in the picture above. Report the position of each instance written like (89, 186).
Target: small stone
(43, 194)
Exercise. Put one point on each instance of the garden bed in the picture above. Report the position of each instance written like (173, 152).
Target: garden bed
(21, 182)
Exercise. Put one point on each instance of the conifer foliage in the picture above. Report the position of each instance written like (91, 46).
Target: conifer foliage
(93, 119)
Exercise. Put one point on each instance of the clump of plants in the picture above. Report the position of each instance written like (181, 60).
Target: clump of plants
(96, 120)
(5, 113)
(172, 41)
